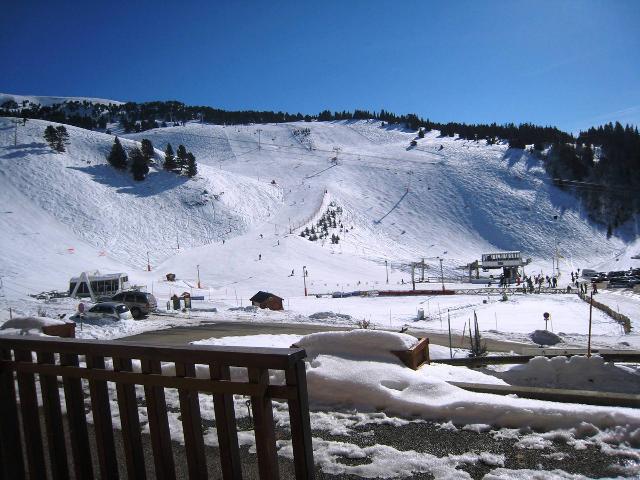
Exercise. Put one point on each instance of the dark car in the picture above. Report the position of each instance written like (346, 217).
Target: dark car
(617, 274)
(623, 282)
(140, 303)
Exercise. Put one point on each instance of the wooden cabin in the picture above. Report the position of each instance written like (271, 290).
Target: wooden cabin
(267, 300)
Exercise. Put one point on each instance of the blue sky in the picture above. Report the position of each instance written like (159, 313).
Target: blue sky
(566, 63)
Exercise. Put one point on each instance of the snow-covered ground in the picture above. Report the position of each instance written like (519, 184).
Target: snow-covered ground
(239, 221)
(357, 371)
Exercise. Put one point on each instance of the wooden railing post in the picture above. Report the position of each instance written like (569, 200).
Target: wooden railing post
(130, 422)
(191, 425)
(158, 424)
(53, 419)
(30, 418)
(226, 426)
(102, 422)
(296, 376)
(78, 434)
(10, 444)
(263, 425)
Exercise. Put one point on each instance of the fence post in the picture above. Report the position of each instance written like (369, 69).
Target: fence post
(10, 443)
(296, 376)
(263, 425)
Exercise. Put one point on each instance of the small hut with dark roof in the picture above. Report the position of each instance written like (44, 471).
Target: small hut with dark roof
(267, 300)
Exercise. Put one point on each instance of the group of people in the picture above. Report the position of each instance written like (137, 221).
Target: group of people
(530, 283)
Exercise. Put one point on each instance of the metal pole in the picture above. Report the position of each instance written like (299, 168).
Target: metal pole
(386, 266)
(413, 280)
(148, 263)
(449, 322)
(304, 279)
(590, 316)
(442, 275)
(198, 268)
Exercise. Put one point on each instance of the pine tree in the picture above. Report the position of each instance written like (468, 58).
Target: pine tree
(169, 159)
(51, 136)
(62, 139)
(421, 133)
(117, 157)
(147, 149)
(181, 159)
(139, 166)
(192, 167)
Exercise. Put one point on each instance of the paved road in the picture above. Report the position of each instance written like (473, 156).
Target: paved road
(185, 335)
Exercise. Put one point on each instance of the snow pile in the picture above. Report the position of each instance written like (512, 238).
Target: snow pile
(359, 344)
(27, 325)
(576, 372)
(545, 337)
(325, 315)
(356, 370)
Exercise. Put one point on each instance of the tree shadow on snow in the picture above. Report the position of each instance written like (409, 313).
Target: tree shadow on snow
(155, 183)
(24, 149)
(565, 200)
(514, 155)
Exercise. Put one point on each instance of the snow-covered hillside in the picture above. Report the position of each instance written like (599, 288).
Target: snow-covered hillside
(445, 197)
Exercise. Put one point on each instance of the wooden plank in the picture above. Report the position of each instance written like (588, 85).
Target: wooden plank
(53, 420)
(101, 408)
(191, 425)
(296, 376)
(586, 397)
(130, 422)
(226, 426)
(263, 424)
(30, 419)
(259, 357)
(158, 424)
(78, 434)
(157, 380)
(10, 443)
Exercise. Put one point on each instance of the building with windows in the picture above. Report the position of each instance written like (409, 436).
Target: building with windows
(90, 284)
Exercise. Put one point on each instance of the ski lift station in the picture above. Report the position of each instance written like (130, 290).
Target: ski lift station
(509, 262)
(90, 284)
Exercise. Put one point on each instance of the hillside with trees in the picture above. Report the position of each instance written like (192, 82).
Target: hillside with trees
(605, 159)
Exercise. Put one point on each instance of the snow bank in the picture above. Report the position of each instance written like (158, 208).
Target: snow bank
(27, 325)
(356, 370)
(576, 372)
(545, 337)
(360, 344)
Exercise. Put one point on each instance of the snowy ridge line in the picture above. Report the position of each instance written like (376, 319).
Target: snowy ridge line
(47, 100)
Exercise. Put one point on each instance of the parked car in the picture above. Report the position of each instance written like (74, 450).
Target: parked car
(108, 310)
(140, 303)
(617, 274)
(588, 273)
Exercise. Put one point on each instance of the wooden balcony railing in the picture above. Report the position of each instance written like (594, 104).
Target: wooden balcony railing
(43, 366)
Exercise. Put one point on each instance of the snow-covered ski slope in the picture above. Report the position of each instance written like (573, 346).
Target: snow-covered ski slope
(445, 197)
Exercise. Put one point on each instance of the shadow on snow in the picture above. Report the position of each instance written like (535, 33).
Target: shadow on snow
(155, 183)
